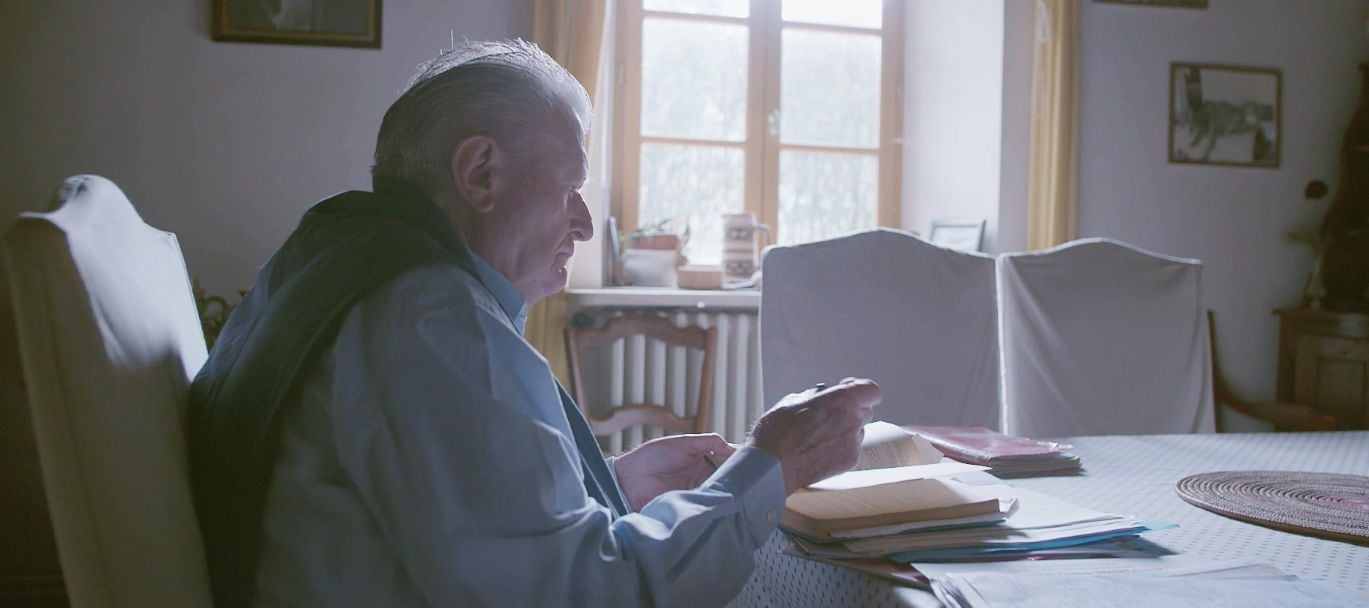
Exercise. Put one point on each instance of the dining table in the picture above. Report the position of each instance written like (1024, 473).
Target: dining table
(1130, 475)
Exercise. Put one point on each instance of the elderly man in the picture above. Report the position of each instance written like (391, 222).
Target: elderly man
(372, 430)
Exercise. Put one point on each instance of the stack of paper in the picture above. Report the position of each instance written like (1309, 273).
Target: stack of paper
(898, 485)
(1006, 456)
(902, 507)
(1036, 522)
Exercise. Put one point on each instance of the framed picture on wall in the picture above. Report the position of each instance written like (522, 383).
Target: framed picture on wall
(1170, 3)
(318, 22)
(1224, 114)
(960, 235)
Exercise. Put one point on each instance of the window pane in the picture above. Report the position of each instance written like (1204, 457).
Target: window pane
(725, 8)
(855, 13)
(693, 79)
(697, 183)
(829, 88)
(826, 194)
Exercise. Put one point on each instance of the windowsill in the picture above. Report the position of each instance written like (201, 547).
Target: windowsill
(665, 297)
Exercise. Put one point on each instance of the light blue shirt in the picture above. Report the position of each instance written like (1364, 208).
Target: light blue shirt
(429, 462)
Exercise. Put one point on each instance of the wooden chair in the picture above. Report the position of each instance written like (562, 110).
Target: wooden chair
(651, 414)
(1284, 416)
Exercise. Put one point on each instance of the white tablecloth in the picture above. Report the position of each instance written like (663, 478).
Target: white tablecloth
(1132, 475)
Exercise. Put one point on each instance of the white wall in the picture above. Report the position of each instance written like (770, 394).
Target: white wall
(1019, 40)
(1234, 219)
(953, 104)
(225, 144)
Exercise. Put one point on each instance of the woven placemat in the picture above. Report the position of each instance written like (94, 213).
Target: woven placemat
(1325, 505)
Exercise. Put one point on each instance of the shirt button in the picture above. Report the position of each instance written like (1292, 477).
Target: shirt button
(770, 517)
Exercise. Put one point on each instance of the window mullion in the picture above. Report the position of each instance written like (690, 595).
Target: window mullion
(766, 14)
(629, 121)
(754, 192)
(890, 212)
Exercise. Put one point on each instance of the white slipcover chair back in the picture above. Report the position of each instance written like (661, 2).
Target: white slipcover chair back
(917, 318)
(1103, 338)
(110, 338)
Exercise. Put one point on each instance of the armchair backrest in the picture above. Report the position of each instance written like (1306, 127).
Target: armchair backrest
(110, 339)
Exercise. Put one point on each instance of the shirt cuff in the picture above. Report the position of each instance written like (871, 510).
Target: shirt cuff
(613, 472)
(755, 478)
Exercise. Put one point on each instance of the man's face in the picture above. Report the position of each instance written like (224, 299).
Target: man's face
(542, 214)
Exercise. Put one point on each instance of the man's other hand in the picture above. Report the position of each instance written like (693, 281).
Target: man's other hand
(816, 433)
(677, 462)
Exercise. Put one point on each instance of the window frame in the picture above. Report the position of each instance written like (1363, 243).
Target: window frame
(761, 147)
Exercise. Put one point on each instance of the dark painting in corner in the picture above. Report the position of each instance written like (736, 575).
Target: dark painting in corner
(319, 22)
(1224, 115)
(1171, 3)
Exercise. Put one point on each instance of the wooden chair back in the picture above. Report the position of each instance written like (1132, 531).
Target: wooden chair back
(655, 327)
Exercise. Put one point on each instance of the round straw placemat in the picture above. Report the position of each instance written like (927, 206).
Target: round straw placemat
(1325, 505)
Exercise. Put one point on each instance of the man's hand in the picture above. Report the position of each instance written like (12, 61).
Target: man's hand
(816, 434)
(678, 462)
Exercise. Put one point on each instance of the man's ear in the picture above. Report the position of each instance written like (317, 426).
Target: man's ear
(475, 160)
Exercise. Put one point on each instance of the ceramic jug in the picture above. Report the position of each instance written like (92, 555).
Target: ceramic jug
(741, 251)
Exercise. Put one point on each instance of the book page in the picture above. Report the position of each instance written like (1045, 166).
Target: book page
(902, 497)
(852, 480)
(886, 445)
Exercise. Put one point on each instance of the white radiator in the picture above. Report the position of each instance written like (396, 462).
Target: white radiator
(637, 370)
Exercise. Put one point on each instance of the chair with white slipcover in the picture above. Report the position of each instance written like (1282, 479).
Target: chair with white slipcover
(919, 319)
(1103, 338)
(109, 338)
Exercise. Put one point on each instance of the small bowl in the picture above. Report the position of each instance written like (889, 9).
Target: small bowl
(699, 277)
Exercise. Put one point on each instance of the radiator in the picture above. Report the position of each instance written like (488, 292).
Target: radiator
(636, 370)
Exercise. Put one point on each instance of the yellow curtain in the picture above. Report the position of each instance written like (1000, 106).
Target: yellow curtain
(571, 31)
(1052, 208)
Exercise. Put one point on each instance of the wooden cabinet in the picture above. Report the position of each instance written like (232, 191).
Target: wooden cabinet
(1324, 362)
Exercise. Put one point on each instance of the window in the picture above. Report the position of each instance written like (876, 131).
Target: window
(785, 108)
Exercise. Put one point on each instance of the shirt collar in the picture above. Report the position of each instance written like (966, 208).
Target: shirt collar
(508, 296)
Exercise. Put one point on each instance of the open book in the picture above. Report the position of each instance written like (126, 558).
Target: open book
(901, 497)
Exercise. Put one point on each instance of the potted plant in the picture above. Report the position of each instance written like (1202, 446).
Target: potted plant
(652, 252)
(661, 234)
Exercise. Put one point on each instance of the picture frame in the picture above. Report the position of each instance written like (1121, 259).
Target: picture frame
(1225, 115)
(1198, 4)
(959, 235)
(348, 23)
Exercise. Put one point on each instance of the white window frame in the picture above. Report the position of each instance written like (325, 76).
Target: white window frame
(762, 144)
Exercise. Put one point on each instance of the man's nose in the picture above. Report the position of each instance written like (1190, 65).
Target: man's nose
(581, 224)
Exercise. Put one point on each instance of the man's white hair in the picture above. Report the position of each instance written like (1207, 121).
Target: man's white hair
(506, 90)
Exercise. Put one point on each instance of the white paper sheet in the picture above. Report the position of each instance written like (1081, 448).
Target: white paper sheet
(878, 477)
(1166, 565)
(1088, 591)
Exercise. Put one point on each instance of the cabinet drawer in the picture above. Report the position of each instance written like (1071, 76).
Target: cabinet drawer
(1333, 374)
